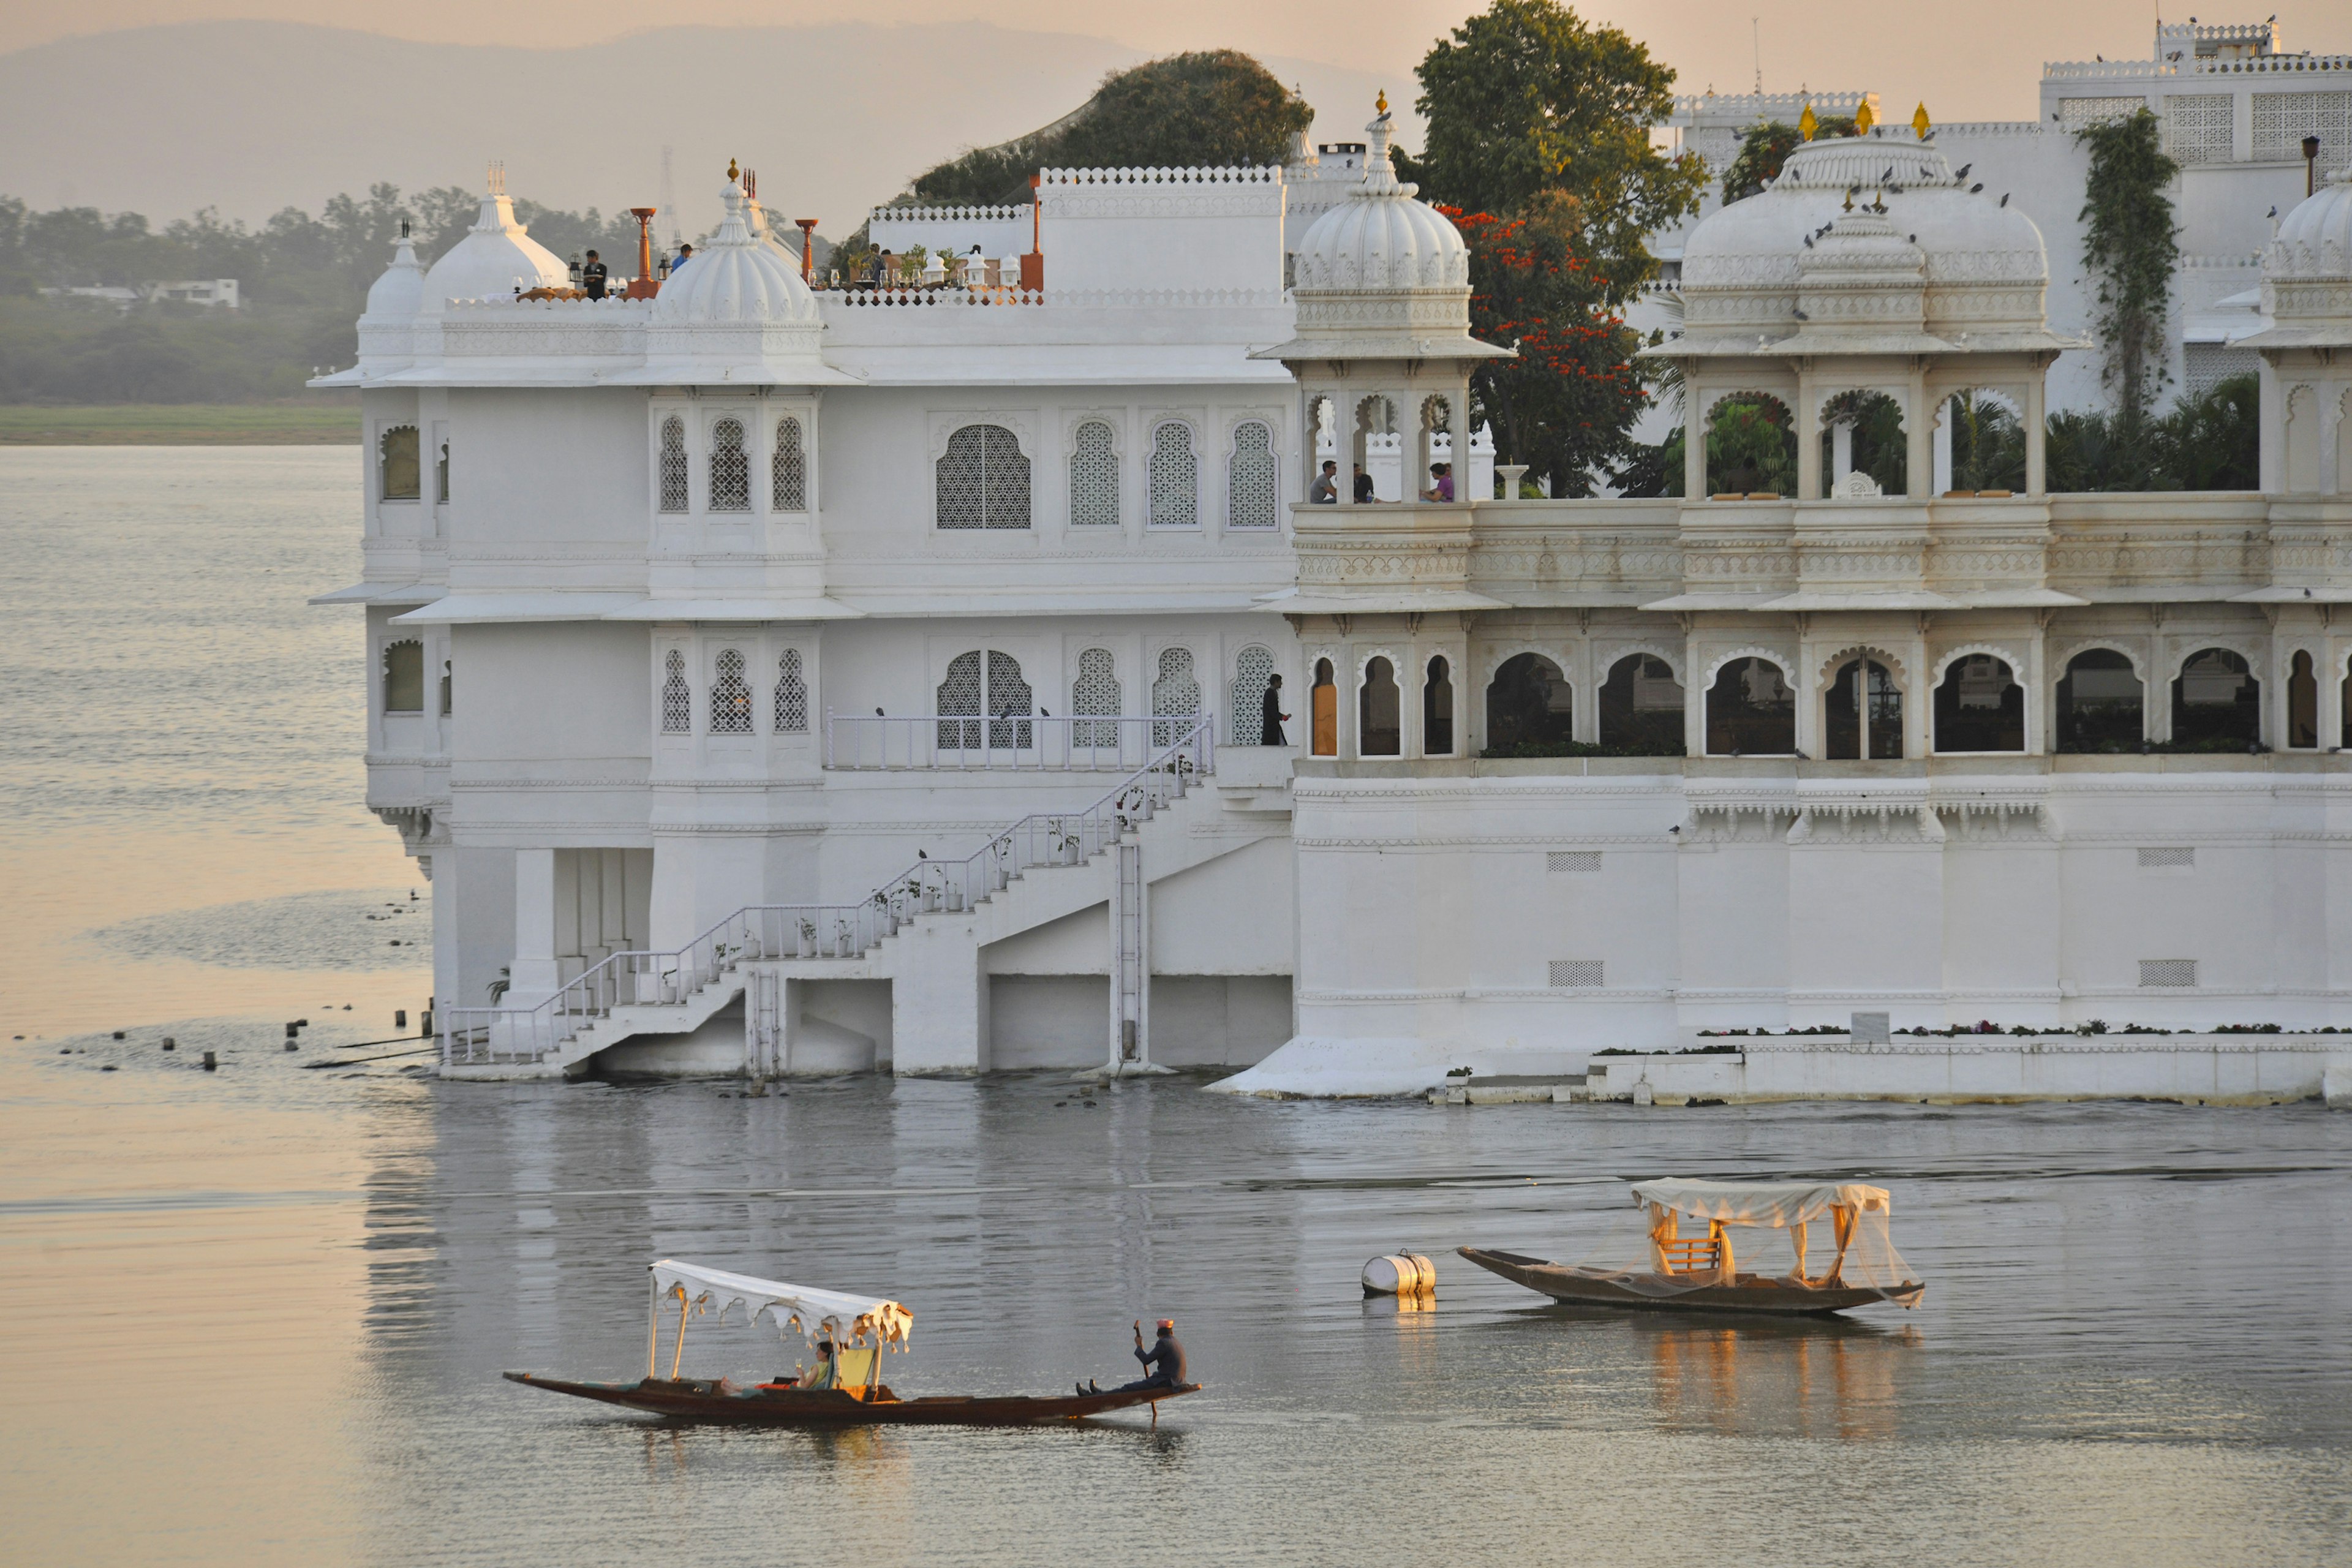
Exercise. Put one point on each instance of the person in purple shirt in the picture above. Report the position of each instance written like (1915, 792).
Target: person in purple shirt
(1441, 482)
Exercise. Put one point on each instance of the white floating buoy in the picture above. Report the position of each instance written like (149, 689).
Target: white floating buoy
(1400, 1274)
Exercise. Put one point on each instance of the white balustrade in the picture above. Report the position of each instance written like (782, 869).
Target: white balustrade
(1012, 743)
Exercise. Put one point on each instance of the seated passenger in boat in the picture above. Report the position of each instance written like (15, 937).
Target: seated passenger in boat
(827, 1373)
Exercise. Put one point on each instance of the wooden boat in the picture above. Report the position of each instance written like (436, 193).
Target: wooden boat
(846, 1392)
(782, 1404)
(1700, 1274)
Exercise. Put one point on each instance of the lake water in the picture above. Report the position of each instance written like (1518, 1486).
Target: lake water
(256, 1316)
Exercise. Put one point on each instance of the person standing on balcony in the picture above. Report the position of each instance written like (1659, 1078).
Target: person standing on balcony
(685, 255)
(1270, 714)
(1324, 490)
(592, 275)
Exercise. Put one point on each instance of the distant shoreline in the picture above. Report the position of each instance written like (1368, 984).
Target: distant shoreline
(324, 424)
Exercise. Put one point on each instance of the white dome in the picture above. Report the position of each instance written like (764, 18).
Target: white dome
(399, 294)
(1381, 237)
(2314, 241)
(739, 278)
(494, 257)
(1982, 267)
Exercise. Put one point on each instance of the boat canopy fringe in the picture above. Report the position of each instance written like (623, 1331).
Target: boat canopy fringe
(796, 1309)
(1680, 1261)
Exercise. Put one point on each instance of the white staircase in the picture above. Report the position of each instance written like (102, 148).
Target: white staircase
(922, 929)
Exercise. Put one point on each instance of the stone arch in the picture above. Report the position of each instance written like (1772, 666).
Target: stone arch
(2300, 433)
(2065, 654)
(1380, 706)
(2090, 711)
(1517, 713)
(1609, 655)
(1864, 429)
(1736, 722)
(2214, 704)
(1953, 721)
(1827, 669)
(2188, 647)
(1752, 449)
(1780, 657)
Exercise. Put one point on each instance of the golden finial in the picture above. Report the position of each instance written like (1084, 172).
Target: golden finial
(1863, 119)
(1919, 121)
(732, 172)
(1381, 104)
(1807, 124)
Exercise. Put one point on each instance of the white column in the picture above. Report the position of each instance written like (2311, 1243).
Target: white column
(1840, 449)
(532, 976)
(1943, 417)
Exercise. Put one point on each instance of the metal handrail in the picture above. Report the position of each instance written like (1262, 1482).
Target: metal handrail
(481, 1036)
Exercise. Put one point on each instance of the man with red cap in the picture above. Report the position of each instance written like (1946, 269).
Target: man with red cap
(1163, 1363)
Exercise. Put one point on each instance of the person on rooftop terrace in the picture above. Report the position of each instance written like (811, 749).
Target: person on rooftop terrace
(685, 255)
(592, 275)
(1324, 490)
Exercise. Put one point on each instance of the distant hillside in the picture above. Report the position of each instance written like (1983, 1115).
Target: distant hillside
(252, 116)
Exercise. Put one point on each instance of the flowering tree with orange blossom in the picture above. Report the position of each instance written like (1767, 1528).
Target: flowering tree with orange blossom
(1566, 406)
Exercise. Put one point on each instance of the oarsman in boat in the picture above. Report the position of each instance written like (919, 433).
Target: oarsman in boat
(1163, 1363)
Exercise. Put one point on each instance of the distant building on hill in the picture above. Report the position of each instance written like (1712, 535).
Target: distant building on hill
(195, 291)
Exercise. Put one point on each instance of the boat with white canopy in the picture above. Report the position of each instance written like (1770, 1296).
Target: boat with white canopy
(1701, 1271)
(844, 1388)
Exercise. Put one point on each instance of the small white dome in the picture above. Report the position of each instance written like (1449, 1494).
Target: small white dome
(399, 294)
(1381, 237)
(2314, 241)
(494, 257)
(738, 279)
(1986, 271)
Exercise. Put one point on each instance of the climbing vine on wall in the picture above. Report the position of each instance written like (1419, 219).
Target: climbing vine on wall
(2130, 245)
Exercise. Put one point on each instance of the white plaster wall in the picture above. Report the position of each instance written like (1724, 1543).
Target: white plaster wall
(549, 487)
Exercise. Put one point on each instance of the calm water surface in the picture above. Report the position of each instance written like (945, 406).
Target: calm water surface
(256, 1316)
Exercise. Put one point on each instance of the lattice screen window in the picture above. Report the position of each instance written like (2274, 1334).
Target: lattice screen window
(792, 695)
(2077, 113)
(1094, 478)
(960, 693)
(2167, 857)
(1253, 672)
(1177, 693)
(2282, 120)
(1008, 694)
(730, 698)
(677, 702)
(1574, 861)
(2156, 973)
(2205, 366)
(983, 480)
(397, 452)
(788, 469)
(1576, 972)
(673, 464)
(1175, 476)
(2197, 127)
(993, 688)
(1095, 692)
(730, 468)
(1249, 478)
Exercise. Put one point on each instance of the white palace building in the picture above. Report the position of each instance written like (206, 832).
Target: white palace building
(784, 679)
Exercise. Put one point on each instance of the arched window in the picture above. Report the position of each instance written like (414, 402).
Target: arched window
(441, 476)
(1862, 435)
(1528, 708)
(1750, 711)
(1095, 692)
(2302, 704)
(397, 463)
(987, 683)
(1881, 737)
(1380, 724)
(1253, 675)
(1437, 710)
(1752, 447)
(2099, 704)
(1249, 479)
(1979, 707)
(1641, 707)
(673, 464)
(678, 703)
(449, 690)
(1175, 694)
(983, 480)
(1094, 478)
(1324, 712)
(792, 716)
(788, 469)
(731, 467)
(404, 677)
(2217, 703)
(1175, 476)
(730, 696)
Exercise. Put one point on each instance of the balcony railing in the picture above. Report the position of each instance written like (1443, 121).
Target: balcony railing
(1008, 743)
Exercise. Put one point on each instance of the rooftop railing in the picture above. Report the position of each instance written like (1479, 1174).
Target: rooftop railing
(1011, 743)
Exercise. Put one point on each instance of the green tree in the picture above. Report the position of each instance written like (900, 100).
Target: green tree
(1526, 98)
(2130, 245)
(1766, 146)
(1215, 108)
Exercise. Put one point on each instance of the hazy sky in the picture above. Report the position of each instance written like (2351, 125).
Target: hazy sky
(1977, 60)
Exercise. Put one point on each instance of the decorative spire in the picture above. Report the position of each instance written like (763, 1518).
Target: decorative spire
(1919, 121)
(1381, 104)
(734, 174)
(1863, 119)
(497, 179)
(1807, 124)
